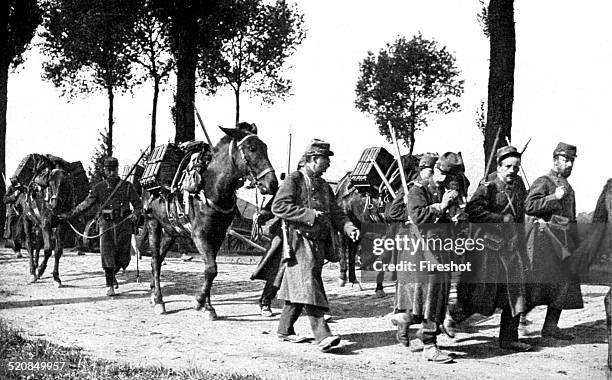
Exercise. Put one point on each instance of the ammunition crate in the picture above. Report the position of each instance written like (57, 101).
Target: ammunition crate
(364, 177)
(161, 167)
(25, 170)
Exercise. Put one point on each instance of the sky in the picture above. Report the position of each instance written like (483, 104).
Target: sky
(563, 88)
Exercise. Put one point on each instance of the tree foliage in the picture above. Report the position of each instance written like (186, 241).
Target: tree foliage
(151, 51)
(86, 45)
(18, 22)
(406, 83)
(96, 171)
(253, 56)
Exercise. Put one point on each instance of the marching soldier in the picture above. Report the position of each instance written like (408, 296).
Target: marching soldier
(13, 229)
(306, 203)
(422, 297)
(116, 220)
(497, 277)
(552, 238)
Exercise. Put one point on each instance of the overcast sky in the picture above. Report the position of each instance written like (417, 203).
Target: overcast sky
(562, 91)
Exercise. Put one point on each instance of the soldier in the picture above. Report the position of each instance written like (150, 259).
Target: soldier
(426, 168)
(13, 229)
(496, 279)
(306, 202)
(423, 296)
(116, 220)
(552, 237)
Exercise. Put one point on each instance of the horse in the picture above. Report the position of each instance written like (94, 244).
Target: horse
(237, 155)
(49, 193)
(368, 207)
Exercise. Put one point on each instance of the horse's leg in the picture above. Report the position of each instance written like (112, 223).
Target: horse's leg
(209, 253)
(27, 230)
(155, 234)
(47, 247)
(352, 254)
(59, 249)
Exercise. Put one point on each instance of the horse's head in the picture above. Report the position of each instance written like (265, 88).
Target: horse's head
(253, 160)
(58, 192)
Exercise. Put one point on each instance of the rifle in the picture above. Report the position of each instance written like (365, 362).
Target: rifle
(522, 169)
(490, 161)
(202, 125)
(400, 165)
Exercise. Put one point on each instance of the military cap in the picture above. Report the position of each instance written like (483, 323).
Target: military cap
(565, 150)
(450, 163)
(507, 151)
(428, 160)
(318, 148)
(111, 163)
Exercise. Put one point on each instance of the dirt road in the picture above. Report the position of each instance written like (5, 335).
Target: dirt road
(124, 328)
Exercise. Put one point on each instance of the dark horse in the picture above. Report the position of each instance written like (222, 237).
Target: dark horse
(239, 154)
(369, 207)
(49, 193)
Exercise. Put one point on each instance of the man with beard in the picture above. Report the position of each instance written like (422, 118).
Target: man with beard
(552, 238)
(306, 203)
(497, 279)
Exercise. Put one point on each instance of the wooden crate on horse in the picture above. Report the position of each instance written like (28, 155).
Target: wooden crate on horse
(365, 177)
(161, 167)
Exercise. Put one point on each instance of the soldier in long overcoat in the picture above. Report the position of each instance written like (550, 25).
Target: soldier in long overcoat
(552, 238)
(497, 276)
(116, 220)
(422, 296)
(305, 201)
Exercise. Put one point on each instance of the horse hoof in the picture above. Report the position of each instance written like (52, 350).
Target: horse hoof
(341, 282)
(159, 308)
(33, 278)
(58, 283)
(197, 306)
(381, 293)
(211, 315)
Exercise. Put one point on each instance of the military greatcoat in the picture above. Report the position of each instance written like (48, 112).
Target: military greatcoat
(13, 228)
(550, 240)
(498, 273)
(296, 201)
(115, 242)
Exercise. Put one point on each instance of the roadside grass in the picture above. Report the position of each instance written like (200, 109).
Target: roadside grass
(14, 347)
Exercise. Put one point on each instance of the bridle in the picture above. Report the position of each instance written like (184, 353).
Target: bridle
(249, 166)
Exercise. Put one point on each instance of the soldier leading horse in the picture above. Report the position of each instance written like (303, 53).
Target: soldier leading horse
(239, 154)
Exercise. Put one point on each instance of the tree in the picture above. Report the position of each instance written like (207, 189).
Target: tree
(87, 48)
(96, 171)
(502, 37)
(253, 58)
(406, 83)
(18, 22)
(151, 51)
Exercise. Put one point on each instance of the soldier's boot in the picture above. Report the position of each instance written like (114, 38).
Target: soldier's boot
(379, 291)
(432, 353)
(266, 311)
(109, 274)
(402, 322)
(551, 329)
(449, 326)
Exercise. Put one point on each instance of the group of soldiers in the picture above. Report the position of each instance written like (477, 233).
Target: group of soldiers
(506, 276)
(309, 215)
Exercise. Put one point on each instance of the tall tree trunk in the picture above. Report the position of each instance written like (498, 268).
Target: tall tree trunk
(3, 107)
(111, 99)
(501, 75)
(237, 95)
(186, 28)
(154, 112)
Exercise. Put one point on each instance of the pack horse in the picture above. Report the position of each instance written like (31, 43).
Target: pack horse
(204, 209)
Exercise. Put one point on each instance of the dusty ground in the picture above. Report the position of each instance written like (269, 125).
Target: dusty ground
(125, 328)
